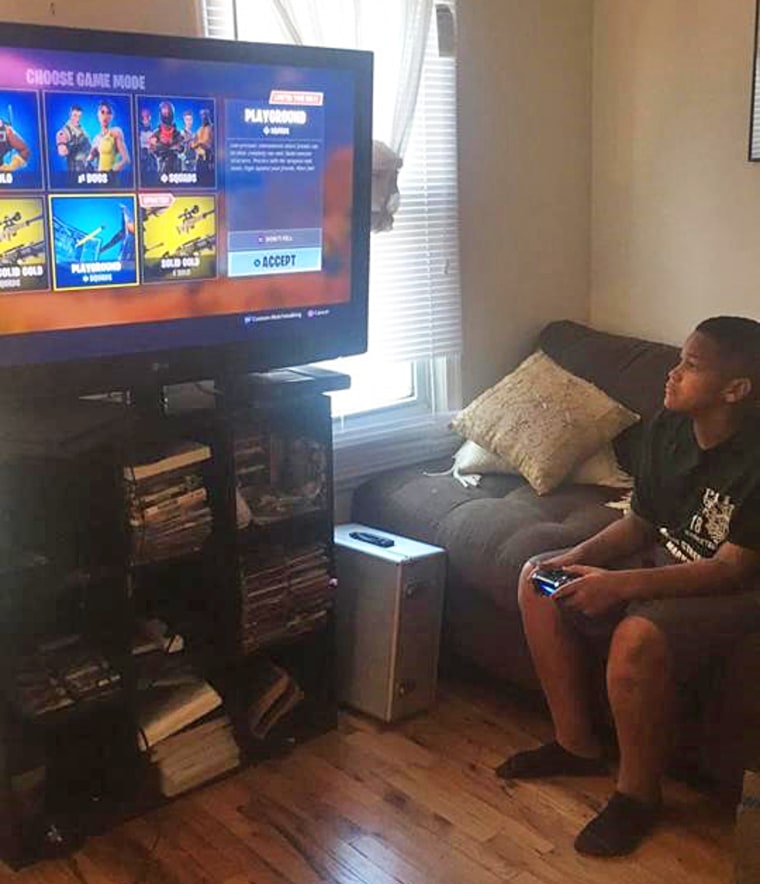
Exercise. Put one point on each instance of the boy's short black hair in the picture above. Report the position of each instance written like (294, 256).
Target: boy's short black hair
(738, 340)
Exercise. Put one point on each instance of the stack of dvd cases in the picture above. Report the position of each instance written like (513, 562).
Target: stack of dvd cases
(169, 513)
(284, 594)
(61, 673)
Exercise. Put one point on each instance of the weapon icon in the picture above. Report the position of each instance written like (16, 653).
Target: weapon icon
(192, 216)
(153, 212)
(193, 247)
(11, 224)
(22, 253)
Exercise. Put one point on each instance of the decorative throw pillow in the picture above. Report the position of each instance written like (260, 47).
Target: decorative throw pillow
(602, 468)
(544, 420)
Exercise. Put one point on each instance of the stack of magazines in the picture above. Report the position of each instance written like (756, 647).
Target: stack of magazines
(169, 514)
(284, 593)
(61, 673)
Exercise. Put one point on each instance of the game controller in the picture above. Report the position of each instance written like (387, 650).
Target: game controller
(548, 580)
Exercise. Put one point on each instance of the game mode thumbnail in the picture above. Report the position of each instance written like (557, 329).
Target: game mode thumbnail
(89, 140)
(177, 142)
(178, 236)
(20, 143)
(23, 249)
(93, 241)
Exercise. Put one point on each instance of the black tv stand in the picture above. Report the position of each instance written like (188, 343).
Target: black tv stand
(281, 383)
(67, 472)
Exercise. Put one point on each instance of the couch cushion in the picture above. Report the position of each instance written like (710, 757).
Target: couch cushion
(488, 532)
(412, 504)
(630, 370)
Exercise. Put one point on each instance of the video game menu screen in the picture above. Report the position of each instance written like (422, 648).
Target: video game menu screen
(141, 190)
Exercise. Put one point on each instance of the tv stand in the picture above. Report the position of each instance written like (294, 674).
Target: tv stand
(250, 593)
(300, 380)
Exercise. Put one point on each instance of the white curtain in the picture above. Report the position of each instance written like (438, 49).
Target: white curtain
(397, 27)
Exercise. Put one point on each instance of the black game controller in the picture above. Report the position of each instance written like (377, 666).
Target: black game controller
(548, 580)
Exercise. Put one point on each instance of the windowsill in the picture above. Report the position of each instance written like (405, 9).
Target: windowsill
(395, 442)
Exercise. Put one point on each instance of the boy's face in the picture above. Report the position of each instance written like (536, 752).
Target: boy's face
(699, 382)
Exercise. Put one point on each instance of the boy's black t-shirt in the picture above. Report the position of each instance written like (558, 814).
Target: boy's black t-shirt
(698, 499)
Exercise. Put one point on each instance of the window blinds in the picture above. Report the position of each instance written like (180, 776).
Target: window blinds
(218, 18)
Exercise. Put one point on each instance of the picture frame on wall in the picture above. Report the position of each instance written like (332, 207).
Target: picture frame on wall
(754, 116)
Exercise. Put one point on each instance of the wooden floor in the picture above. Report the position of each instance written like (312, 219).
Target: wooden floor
(416, 804)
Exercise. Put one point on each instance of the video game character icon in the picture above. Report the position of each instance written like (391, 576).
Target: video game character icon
(73, 143)
(204, 148)
(145, 131)
(189, 158)
(109, 146)
(166, 142)
(124, 236)
(14, 151)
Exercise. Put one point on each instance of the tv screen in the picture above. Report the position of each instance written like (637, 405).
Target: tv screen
(179, 208)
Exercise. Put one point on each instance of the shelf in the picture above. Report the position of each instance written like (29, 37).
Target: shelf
(199, 591)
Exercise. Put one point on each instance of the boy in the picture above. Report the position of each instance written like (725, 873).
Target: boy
(696, 517)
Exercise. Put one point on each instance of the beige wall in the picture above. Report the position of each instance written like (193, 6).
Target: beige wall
(524, 122)
(676, 205)
(148, 16)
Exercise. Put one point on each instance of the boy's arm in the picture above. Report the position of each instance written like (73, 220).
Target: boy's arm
(595, 591)
(622, 538)
(731, 569)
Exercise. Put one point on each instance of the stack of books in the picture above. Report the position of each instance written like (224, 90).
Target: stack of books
(195, 756)
(61, 673)
(274, 694)
(177, 726)
(284, 594)
(169, 514)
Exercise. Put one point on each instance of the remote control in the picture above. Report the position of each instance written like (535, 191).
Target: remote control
(375, 539)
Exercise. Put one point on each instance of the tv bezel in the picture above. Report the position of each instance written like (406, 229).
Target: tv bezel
(291, 342)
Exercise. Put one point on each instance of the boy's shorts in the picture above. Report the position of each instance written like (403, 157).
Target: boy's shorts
(697, 628)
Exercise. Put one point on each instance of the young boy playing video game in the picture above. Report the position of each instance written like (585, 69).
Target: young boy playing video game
(696, 517)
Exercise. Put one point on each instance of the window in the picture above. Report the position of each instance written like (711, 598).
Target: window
(409, 379)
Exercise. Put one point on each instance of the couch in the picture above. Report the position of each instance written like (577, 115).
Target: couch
(489, 531)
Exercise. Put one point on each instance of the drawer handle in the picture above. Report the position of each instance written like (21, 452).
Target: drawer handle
(414, 588)
(406, 687)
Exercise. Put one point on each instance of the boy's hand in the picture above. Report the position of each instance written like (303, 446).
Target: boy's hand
(563, 561)
(593, 592)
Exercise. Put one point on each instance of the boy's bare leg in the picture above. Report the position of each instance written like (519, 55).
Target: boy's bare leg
(641, 691)
(559, 658)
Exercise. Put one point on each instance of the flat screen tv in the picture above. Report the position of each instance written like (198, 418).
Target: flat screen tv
(175, 209)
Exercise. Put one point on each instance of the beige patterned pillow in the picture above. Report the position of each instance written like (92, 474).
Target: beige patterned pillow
(544, 420)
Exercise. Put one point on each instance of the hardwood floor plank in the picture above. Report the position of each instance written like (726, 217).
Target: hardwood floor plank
(225, 856)
(317, 826)
(227, 801)
(429, 840)
(463, 811)
(390, 861)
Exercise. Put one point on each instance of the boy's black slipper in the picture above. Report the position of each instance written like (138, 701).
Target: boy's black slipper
(549, 760)
(619, 828)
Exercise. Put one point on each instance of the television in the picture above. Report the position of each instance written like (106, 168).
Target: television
(176, 209)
